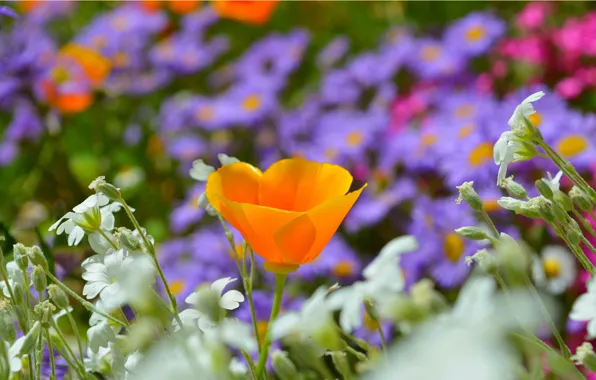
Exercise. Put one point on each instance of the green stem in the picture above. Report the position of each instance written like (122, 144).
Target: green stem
(551, 324)
(75, 330)
(23, 323)
(88, 305)
(359, 355)
(280, 281)
(577, 251)
(51, 349)
(584, 222)
(490, 223)
(38, 351)
(4, 353)
(151, 249)
(68, 355)
(107, 238)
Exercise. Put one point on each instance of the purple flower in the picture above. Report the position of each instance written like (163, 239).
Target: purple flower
(185, 277)
(337, 261)
(369, 331)
(60, 364)
(8, 12)
(371, 69)
(373, 206)
(333, 52)
(339, 87)
(186, 147)
(133, 134)
(475, 33)
(185, 53)
(441, 250)
(26, 123)
(273, 56)
(432, 60)
(248, 102)
(188, 212)
(8, 152)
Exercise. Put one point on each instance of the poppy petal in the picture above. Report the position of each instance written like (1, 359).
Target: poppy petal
(296, 238)
(299, 185)
(237, 182)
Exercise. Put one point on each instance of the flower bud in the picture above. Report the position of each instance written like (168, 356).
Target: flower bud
(544, 189)
(472, 233)
(58, 296)
(531, 208)
(584, 355)
(283, 366)
(8, 331)
(515, 189)
(580, 199)
(30, 339)
(128, 239)
(511, 204)
(563, 200)
(469, 195)
(573, 232)
(19, 252)
(45, 312)
(485, 260)
(340, 361)
(19, 293)
(38, 277)
(561, 215)
(99, 184)
(36, 256)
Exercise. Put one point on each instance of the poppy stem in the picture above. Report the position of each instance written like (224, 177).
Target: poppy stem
(280, 281)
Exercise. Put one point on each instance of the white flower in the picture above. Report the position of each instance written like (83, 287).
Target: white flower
(200, 170)
(383, 277)
(15, 276)
(203, 302)
(555, 269)
(132, 361)
(234, 333)
(523, 111)
(117, 277)
(314, 320)
(584, 308)
(100, 335)
(238, 368)
(84, 214)
(96, 361)
(14, 360)
(469, 343)
(553, 183)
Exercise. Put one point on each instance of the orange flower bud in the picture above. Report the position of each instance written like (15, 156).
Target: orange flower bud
(286, 214)
(95, 65)
(250, 12)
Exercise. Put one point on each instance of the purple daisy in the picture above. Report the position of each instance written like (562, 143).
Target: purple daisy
(475, 33)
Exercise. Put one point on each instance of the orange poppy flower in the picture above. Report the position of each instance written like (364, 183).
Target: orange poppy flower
(183, 7)
(250, 12)
(286, 214)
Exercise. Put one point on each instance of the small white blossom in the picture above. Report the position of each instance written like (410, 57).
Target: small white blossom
(582, 352)
(200, 170)
(524, 110)
(555, 270)
(100, 335)
(14, 360)
(553, 182)
(584, 308)
(382, 277)
(96, 361)
(200, 300)
(15, 276)
(71, 221)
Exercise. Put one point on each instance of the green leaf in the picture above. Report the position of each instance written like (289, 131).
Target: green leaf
(47, 252)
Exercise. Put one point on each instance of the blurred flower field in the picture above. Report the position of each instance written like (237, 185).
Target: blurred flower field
(409, 97)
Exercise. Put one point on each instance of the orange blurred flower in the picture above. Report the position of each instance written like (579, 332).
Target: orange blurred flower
(286, 214)
(177, 6)
(250, 12)
(96, 66)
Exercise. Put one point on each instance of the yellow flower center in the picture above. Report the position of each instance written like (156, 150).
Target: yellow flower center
(354, 138)
(121, 59)
(331, 153)
(99, 41)
(430, 53)
(463, 111)
(475, 33)
(251, 103)
(205, 113)
(453, 246)
(119, 23)
(552, 268)
(465, 131)
(428, 139)
(481, 154)
(221, 137)
(535, 119)
(369, 323)
(262, 329)
(344, 268)
(572, 145)
(60, 75)
(490, 205)
(176, 287)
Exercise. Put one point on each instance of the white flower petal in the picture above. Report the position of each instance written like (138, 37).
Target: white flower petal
(231, 300)
(220, 284)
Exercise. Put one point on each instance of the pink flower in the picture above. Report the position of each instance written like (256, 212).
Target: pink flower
(533, 15)
(569, 88)
(484, 83)
(530, 49)
(499, 69)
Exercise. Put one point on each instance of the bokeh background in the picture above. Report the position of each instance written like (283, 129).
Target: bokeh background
(408, 96)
